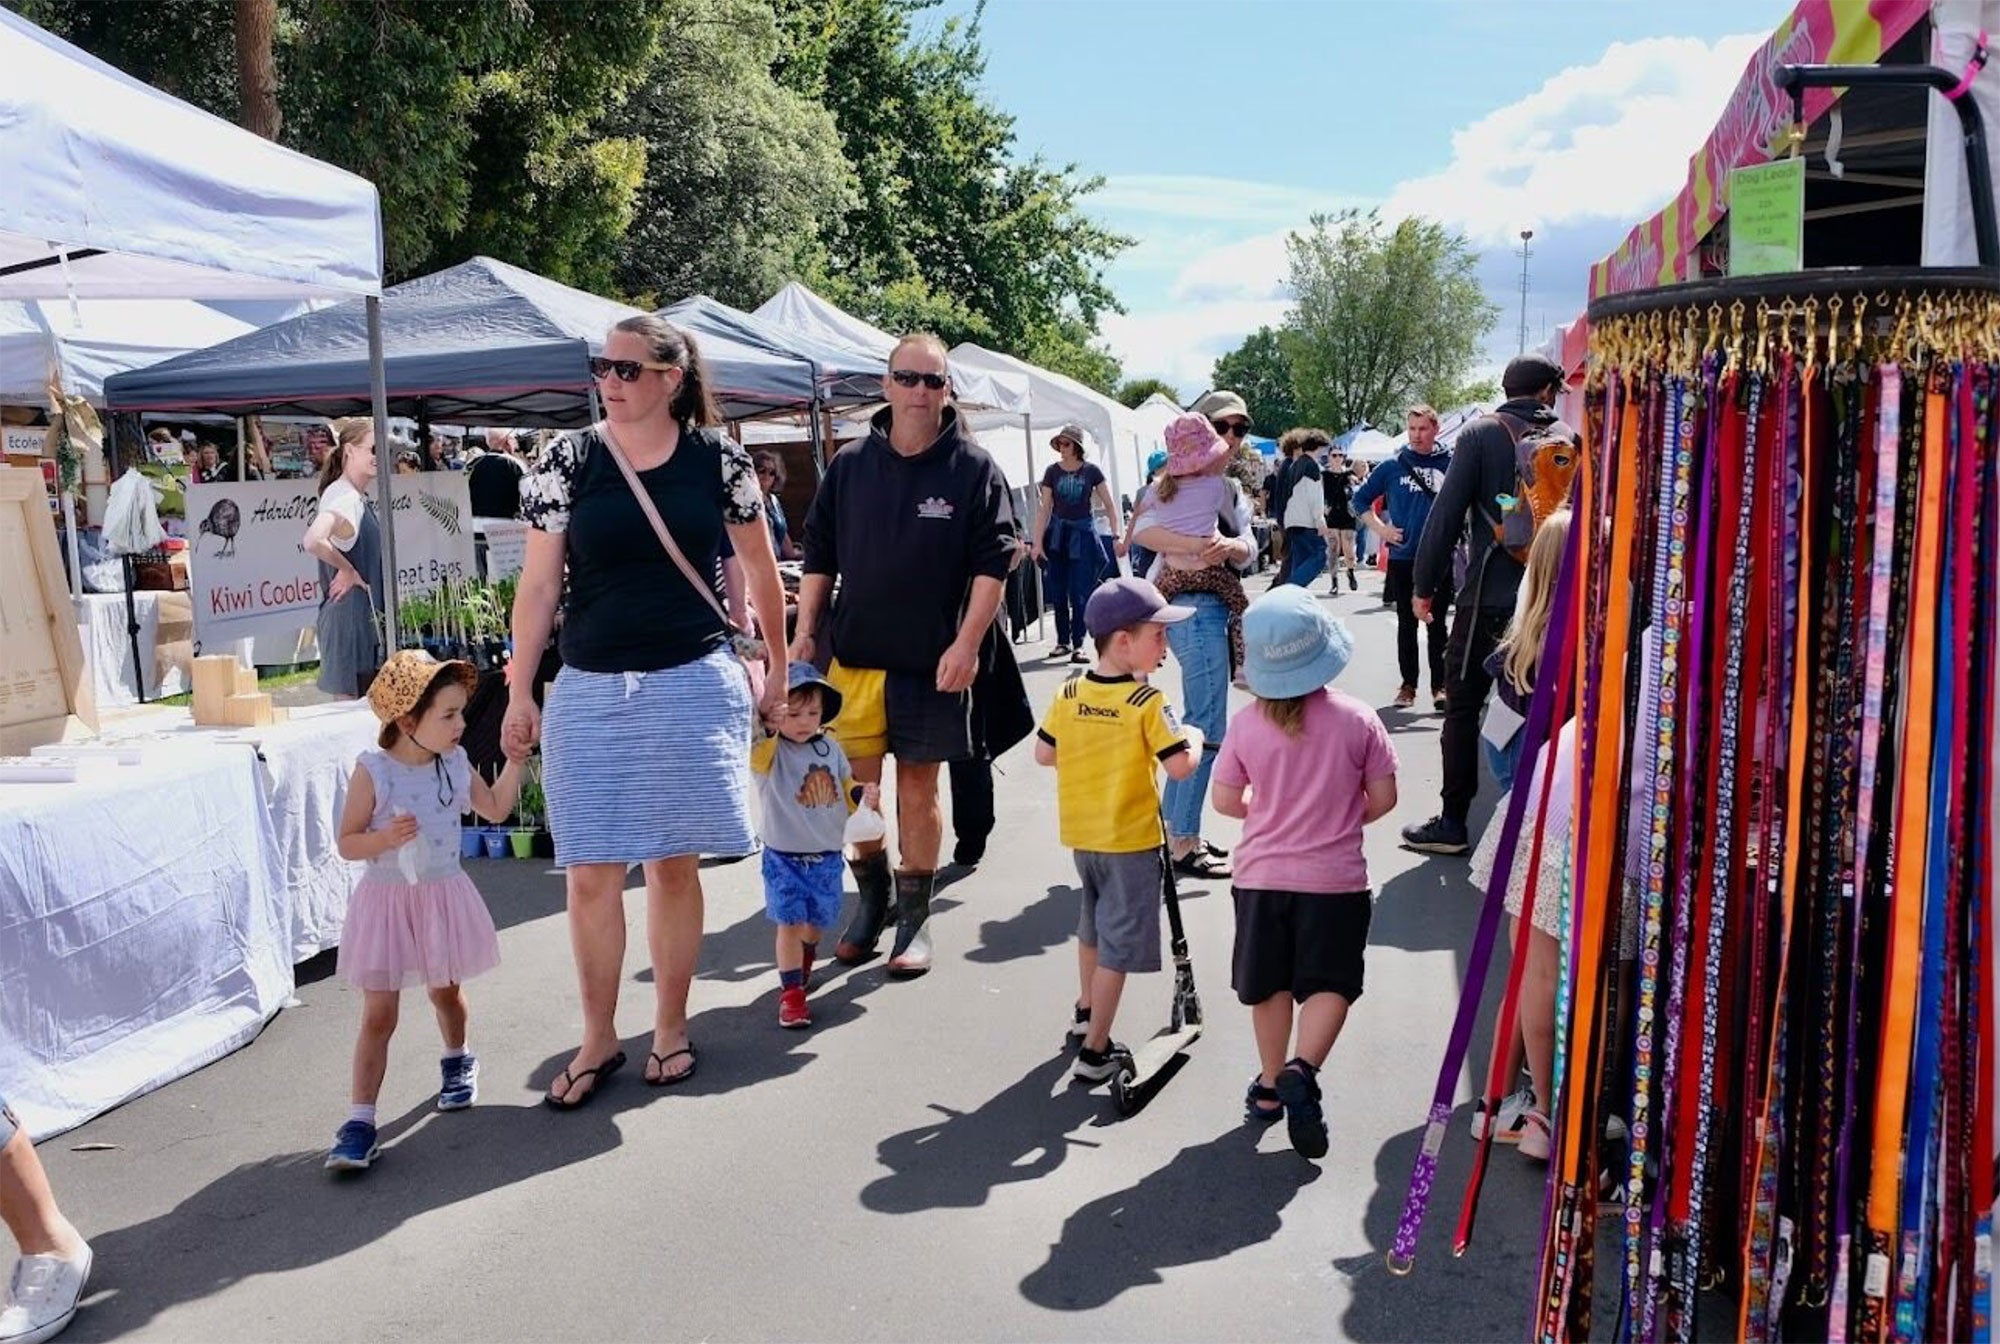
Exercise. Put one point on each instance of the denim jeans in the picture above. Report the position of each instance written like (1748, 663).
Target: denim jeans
(1305, 556)
(1201, 646)
(1067, 584)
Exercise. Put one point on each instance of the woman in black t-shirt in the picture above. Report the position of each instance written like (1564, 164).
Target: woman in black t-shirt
(647, 743)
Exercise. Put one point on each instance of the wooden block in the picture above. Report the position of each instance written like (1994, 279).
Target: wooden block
(246, 681)
(214, 681)
(247, 711)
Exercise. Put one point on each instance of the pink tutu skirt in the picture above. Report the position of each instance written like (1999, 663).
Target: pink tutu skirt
(400, 934)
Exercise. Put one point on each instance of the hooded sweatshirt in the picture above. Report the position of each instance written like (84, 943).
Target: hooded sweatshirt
(906, 536)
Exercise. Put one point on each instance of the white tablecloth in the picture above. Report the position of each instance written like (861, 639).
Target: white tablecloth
(143, 928)
(107, 648)
(306, 763)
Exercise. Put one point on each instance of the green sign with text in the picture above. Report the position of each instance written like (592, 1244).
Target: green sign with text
(1767, 218)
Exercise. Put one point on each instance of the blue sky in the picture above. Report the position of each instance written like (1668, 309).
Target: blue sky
(1221, 126)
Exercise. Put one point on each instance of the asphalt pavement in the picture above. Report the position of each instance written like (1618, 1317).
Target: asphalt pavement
(914, 1167)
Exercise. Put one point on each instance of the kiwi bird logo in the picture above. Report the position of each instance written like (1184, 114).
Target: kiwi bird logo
(224, 519)
(818, 789)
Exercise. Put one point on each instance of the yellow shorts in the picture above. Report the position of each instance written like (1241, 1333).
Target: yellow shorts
(863, 726)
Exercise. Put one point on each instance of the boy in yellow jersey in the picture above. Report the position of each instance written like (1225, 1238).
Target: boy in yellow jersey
(1107, 734)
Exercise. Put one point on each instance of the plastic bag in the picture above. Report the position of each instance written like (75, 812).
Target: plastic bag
(406, 855)
(865, 826)
(132, 518)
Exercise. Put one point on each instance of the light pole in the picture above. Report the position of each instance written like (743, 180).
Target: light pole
(1526, 234)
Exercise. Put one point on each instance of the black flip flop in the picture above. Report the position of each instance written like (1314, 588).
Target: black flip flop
(665, 1079)
(569, 1101)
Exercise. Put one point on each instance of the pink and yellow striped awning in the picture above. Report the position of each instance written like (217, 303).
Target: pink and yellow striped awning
(1662, 250)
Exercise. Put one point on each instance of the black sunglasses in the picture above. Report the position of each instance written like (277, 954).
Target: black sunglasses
(910, 378)
(628, 370)
(1234, 429)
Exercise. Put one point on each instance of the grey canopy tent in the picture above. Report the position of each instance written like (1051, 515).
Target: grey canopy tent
(480, 343)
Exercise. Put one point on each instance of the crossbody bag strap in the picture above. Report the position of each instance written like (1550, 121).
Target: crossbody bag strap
(660, 527)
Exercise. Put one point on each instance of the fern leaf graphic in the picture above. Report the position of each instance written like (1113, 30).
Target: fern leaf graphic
(444, 512)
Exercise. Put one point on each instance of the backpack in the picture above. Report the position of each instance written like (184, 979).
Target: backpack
(1545, 463)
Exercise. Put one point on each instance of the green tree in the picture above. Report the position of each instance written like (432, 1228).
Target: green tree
(1381, 317)
(1136, 390)
(743, 174)
(946, 229)
(1261, 372)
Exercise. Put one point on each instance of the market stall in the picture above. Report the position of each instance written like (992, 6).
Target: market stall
(145, 933)
(1773, 634)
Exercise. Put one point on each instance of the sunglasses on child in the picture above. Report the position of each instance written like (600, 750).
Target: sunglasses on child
(910, 378)
(628, 370)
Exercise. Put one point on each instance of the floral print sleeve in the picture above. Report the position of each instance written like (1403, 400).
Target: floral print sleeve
(545, 491)
(742, 498)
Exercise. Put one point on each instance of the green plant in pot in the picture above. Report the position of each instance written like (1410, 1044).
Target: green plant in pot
(529, 810)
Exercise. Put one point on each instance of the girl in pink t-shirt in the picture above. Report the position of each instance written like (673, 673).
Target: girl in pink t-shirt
(1304, 773)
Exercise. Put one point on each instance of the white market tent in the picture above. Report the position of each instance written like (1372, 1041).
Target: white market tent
(1150, 418)
(796, 308)
(1118, 443)
(115, 190)
(82, 344)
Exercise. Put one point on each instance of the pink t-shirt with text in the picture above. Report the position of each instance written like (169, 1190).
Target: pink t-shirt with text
(1306, 804)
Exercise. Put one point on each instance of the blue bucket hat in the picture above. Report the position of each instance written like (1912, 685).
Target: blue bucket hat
(1291, 647)
(801, 673)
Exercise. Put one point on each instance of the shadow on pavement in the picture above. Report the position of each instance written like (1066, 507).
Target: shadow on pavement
(285, 1213)
(1021, 1134)
(1490, 1288)
(1032, 930)
(1212, 1200)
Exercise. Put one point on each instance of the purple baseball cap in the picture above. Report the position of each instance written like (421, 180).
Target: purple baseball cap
(1121, 603)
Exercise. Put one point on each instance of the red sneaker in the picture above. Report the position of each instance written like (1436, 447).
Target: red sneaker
(792, 1010)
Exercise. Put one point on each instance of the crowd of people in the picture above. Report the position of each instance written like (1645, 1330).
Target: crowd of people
(683, 693)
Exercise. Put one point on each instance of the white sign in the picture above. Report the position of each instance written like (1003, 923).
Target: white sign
(248, 570)
(23, 440)
(506, 546)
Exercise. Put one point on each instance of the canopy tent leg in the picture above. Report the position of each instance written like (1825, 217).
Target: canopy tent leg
(385, 474)
(818, 441)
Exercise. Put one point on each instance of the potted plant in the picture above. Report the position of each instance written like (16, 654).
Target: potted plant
(527, 814)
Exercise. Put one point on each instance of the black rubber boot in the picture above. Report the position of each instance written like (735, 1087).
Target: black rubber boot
(912, 956)
(858, 939)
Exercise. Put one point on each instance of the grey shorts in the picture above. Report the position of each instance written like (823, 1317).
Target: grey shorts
(8, 1124)
(1121, 908)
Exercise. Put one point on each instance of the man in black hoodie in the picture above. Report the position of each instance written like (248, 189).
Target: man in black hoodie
(1482, 469)
(916, 523)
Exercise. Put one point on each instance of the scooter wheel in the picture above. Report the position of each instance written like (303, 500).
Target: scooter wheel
(1124, 1097)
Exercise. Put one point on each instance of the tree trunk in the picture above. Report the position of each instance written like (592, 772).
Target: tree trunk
(257, 66)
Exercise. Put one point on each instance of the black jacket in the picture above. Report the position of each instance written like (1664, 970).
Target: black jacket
(1482, 468)
(906, 536)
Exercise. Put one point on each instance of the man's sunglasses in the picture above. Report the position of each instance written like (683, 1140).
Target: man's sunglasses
(1234, 429)
(628, 370)
(910, 378)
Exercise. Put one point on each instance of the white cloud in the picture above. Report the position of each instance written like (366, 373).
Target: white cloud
(1591, 152)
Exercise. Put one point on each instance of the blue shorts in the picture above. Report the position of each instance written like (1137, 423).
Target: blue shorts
(802, 888)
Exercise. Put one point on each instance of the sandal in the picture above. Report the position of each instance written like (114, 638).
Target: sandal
(1299, 1090)
(1213, 851)
(665, 1079)
(1261, 1104)
(569, 1101)
(1199, 863)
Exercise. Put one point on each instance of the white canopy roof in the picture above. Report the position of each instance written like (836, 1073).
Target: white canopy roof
(1119, 442)
(85, 343)
(796, 308)
(115, 189)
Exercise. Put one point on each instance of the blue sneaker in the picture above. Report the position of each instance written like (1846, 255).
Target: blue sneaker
(461, 1083)
(353, 1147)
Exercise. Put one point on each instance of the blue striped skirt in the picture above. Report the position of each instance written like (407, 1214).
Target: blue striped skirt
(649, 765)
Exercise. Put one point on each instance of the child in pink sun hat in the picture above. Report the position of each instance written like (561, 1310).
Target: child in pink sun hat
(1190, 501)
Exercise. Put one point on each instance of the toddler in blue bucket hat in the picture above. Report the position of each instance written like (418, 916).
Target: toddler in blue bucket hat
(1304, 773)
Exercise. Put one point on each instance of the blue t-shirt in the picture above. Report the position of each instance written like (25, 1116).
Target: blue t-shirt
(1071, 490)
(1409, 482)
